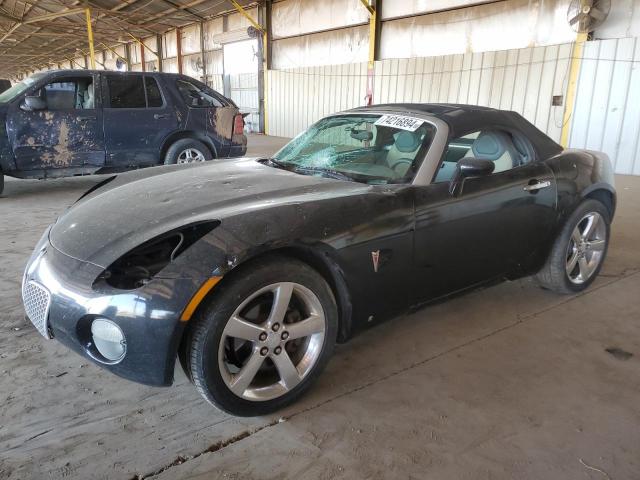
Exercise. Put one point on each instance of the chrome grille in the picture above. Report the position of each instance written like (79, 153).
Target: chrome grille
(37, 300)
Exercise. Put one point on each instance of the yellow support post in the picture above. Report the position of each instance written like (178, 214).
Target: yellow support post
(373, 12)
(239, 8)
(92, 53)
(574, 71)
(265, 72)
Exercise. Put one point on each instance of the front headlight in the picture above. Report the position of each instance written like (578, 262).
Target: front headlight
(137, 267)
(108, 339)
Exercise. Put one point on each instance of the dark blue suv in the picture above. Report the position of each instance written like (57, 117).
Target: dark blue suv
(77, 122)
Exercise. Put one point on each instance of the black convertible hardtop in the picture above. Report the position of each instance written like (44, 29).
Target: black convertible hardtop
(463, 119)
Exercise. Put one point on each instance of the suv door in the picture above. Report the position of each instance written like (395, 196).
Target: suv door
(63, 129)
(137, 119)
(493, 226)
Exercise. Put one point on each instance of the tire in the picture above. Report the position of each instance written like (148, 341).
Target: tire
(217, 357)
(187, 150)
(1, 182)
(570, 248)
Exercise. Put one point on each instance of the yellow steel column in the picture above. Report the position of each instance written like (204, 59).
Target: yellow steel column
(574, 71)
(265, 72)
(92, 53)
(373, 12)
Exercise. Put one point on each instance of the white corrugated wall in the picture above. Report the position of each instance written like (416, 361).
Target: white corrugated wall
(606, 115)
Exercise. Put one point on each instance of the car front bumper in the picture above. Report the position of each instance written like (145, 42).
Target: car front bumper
(58, 292)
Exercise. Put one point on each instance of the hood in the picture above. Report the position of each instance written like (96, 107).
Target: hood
(138, 206)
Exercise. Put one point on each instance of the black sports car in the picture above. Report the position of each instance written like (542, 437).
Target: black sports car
(250, 270)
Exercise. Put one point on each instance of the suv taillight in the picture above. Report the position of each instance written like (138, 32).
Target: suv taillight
(238, 124)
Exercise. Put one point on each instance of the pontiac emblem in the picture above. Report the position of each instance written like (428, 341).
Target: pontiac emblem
(375, 257)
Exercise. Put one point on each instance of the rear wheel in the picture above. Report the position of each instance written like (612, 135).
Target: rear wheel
(264, 338)
(1, 182)
(187, 150)
(579, 250)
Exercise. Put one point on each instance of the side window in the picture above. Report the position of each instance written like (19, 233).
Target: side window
(495, 145)
(195, 96)
(126, 91)
(154, 97)
(69, 94)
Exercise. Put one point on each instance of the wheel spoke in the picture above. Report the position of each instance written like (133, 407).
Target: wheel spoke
(576, 236)
(307, 327)
(239, 328)
(585, 271)
(596, 245)
(591, 226)
(571, 264)
(287, 370)
(281, 299)
(243, 378)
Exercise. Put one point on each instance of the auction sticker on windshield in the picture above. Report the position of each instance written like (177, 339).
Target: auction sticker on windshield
(400, 121)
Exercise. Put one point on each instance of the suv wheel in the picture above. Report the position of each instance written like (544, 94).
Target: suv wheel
(187, 150)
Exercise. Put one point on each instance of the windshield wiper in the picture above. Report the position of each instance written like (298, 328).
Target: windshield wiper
(275, 163)
(325, 171)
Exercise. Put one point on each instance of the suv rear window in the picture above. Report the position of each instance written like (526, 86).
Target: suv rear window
(195, 96)
(128, 91)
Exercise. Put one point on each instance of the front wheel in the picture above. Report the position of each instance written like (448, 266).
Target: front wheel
(264, 338)
(579, 251)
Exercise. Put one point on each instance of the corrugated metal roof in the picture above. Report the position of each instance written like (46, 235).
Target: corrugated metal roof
(33, 35)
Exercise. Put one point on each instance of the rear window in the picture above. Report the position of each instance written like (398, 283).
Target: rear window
(129, 91)
(195, 96)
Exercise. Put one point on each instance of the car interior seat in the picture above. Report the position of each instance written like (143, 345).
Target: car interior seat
(497, 147)
(490, 145)
(88, 97)
(403, 150)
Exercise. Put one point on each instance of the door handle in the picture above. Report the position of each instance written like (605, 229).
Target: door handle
(537, 186)
(84, 119)
(158, 116)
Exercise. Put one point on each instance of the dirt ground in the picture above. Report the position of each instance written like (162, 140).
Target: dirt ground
(506, 382)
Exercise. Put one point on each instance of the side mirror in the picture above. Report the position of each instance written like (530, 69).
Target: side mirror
(475, 167)
(469, 167)
(31, 104)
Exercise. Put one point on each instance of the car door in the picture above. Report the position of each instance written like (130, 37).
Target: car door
(492, 226)
(138, 117)
(62, 129)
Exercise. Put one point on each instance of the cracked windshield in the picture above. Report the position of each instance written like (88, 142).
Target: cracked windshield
(374, 149)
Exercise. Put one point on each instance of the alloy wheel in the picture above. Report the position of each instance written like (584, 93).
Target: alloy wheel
(586, 247)
(272, 341)
(190, 155)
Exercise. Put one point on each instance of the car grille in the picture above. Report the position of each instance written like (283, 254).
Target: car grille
(37, 300)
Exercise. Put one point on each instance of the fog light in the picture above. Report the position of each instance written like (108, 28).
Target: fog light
(108, 339)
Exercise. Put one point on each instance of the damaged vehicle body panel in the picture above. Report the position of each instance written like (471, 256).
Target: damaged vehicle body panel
(366, 215)
(65, 123)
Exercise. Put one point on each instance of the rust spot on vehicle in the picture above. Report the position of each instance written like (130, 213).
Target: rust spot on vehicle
(222, 121)
(61, 155)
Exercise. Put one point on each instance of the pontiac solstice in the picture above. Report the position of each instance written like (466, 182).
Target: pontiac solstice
(250, 270)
